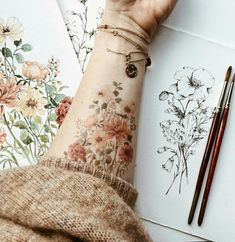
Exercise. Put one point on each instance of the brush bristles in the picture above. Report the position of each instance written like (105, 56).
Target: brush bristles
(228, 74)
(233, 78)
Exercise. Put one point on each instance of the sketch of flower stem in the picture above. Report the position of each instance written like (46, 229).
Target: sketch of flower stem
(188, 122)
(81, 35)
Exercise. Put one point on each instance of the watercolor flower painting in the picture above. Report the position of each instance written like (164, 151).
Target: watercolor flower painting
(188, 119)
(32, 102)
(12, 29)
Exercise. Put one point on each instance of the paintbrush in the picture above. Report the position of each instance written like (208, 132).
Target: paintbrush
(215, 154)
(209, 145)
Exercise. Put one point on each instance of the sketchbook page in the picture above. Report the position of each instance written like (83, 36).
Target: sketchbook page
(182, 86)
(160, 233)
(39, 74)
(81, 19)
(211, 19)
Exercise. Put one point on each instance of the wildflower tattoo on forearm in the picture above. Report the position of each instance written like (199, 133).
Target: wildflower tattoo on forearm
(104, 139)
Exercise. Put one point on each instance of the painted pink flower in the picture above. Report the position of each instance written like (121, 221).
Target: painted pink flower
(116, 127)
(3, 136)
(62, 109)
(76, 152)
(8, 93)
(126, 153)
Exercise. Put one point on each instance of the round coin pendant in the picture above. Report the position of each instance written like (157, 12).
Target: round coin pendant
(131, 70)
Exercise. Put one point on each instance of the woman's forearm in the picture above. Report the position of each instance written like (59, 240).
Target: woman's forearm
(101, 126)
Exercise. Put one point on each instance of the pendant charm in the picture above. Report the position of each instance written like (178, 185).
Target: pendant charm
(148, 61)
(131, 70)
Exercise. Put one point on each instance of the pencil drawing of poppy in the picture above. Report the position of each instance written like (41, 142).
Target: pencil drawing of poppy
(126, 153)
(12, 29)
(193, 83)
(187, 125)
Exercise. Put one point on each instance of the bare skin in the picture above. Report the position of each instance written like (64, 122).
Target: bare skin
(101, 127)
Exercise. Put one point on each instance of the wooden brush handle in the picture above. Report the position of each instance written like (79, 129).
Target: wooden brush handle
(204, 163)
(209, 145)
(213, 164)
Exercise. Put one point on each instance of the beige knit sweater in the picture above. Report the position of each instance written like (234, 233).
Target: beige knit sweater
(60, 200)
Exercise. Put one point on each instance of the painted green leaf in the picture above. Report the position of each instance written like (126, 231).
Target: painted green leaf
(47, 128)
(19, 58)
(20, 124)
(38, 120)
(52, 117)
(53, 102)
(26, 47)
(50, 89)
(63, 87)
(6, 52)
(25, 138)
(44, 138)
(54, 126)
(59, 97)
(34, 126)
(26, 152)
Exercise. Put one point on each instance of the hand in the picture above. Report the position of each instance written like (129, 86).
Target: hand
(148, 14)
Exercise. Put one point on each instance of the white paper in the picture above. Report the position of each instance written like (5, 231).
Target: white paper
(211, 19)
(172, 51)
(44, 30)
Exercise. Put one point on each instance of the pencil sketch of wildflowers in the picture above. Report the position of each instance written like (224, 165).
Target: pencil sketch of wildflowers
(81, 28)
(187, 122)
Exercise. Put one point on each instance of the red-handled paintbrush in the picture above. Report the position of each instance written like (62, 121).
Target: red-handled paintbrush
(209, 145)
(215, 153)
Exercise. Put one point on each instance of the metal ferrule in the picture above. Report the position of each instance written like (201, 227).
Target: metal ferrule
(222, 96)
(229, 95)
(217, 109)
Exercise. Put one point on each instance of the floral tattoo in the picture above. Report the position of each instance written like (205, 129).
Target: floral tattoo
(189, 117)
(105, 138)
(32, 102)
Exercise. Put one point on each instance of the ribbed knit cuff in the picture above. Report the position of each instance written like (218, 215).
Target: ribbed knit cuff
(124, 189)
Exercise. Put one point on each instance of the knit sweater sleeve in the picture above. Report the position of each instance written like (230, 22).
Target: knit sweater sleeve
(61, 200)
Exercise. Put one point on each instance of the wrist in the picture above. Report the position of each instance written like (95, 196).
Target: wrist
(114, 19)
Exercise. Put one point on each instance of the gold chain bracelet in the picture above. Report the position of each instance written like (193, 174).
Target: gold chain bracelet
(106, 26)
(131, 69)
